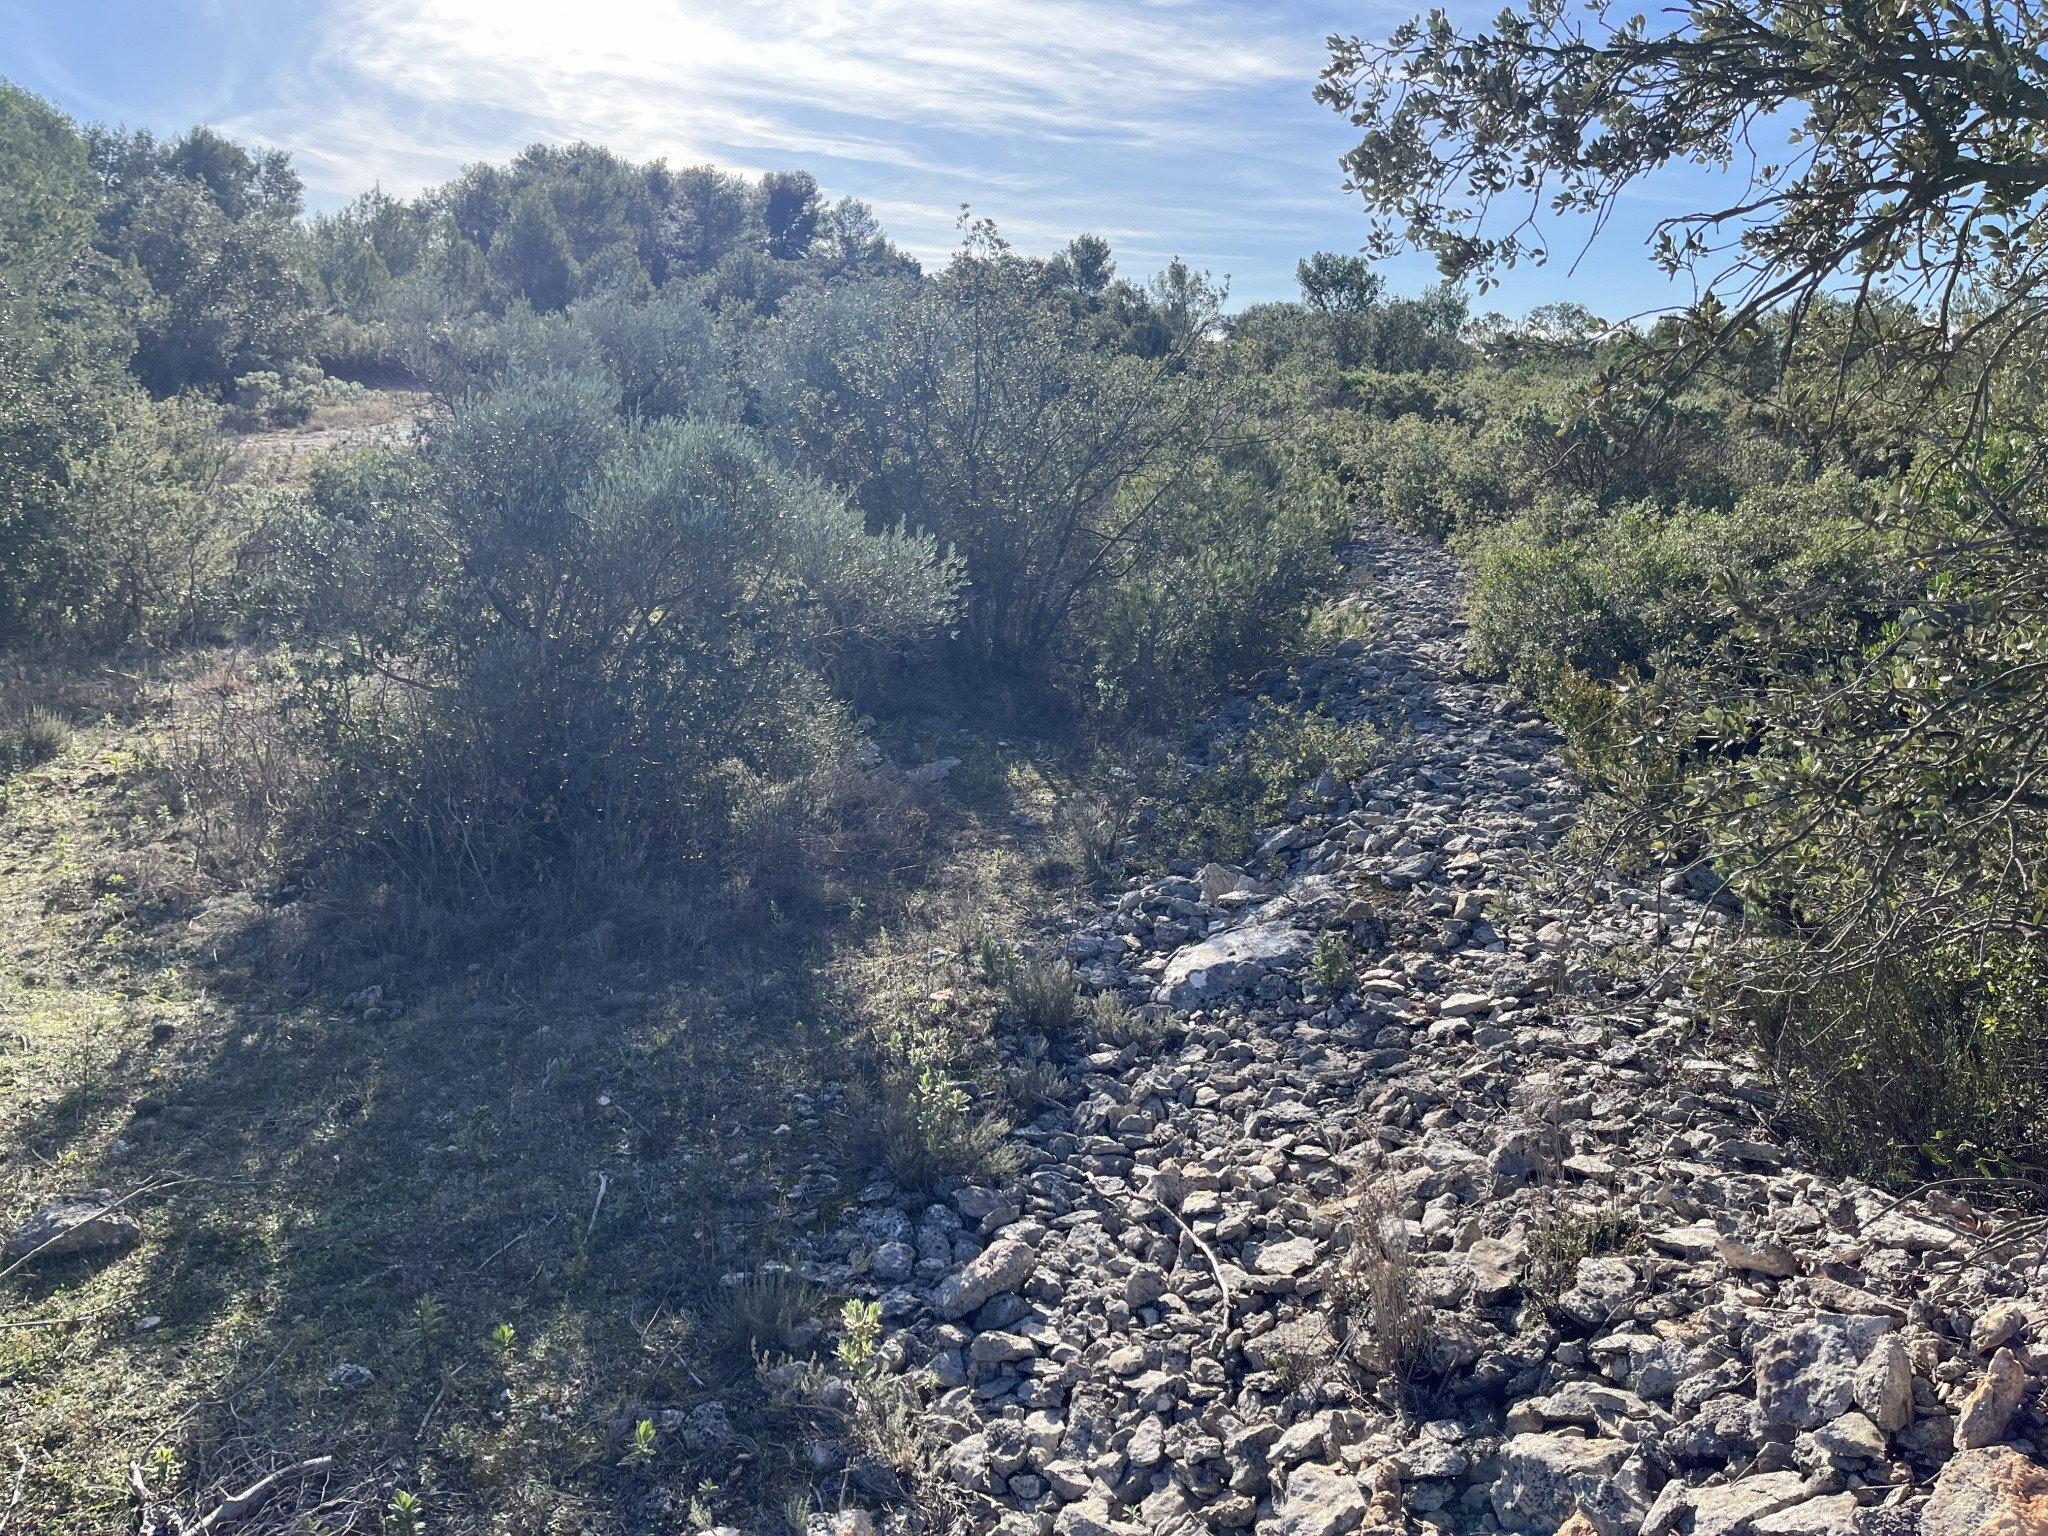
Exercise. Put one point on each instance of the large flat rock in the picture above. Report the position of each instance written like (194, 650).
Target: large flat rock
(1231, 961)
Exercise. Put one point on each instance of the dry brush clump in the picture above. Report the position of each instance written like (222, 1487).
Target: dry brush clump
(244, 781)
(1562, 1236)
(1091, 830)
(36, 736)
(836, 835)
(1045, 995)
(1373, 1290)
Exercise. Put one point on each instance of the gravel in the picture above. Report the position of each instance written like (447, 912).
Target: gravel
(1507, 1238)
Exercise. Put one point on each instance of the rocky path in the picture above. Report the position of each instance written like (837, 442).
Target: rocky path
(1501, 1239)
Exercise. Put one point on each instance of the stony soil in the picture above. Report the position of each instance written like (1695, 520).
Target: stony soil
(1504, 1238)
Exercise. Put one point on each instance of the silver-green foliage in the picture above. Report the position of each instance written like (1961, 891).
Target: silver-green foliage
(1130, 522)
(555, 621)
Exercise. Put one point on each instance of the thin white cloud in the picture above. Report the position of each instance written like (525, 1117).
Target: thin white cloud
(747, 71)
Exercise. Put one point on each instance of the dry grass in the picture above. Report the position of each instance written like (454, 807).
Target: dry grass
(1374, 1287)
(286, 455)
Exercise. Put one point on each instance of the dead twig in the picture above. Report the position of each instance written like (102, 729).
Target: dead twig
(14, 1501)
(155, 1519)
(428, 1417)
(252, 1498)
(161, 1518)
(1215, 1264)
(51, 1322)
(522, 1237)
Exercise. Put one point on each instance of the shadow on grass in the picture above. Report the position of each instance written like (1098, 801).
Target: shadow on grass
(502, 1173)
(511, 1202)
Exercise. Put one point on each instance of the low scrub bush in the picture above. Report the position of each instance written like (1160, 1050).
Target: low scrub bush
(1427, 475)
(1330, 967)
(1933, 1063)
(824, 836)
(1117, 1023)
(246, 779)
(994, 957)
(37, 737)
(556, 632)
(1338, 622)
(1235, 577)
(286, 397)
(1135, 524)
(1045, 995)
(1091, 829)
(1777, 689)
(1570, 586)
(923, 1125)
(1562, 1236)
(165, 529)
(1034, 1081)
(749, 1315)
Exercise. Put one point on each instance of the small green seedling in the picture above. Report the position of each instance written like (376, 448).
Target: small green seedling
(163, 1468)
(642, 1448)
(402, 1516)
(863, 1323)
(429, 1319)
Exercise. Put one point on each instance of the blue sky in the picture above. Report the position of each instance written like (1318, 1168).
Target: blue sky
(1172, 127)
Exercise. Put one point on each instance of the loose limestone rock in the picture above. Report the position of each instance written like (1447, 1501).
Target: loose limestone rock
(1763, 1256)
(893, 1261)
(1805, 1376)
(1696, 1241)
(1834, 1515)
(1231, 961)
(1497, 1266)
(1988, 1411)
(1852, 1437)
(998, 1348)
(2000, 1325)
(1604, 1289)
(1147, 1283)
(1091, 1517)
(1883, 1387)
(1732, 1507)
(74, 1223)
(1290, 1257)
(1991, 1491)
(1000, 1268)
(1543, 1478)
(1320, 1501)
